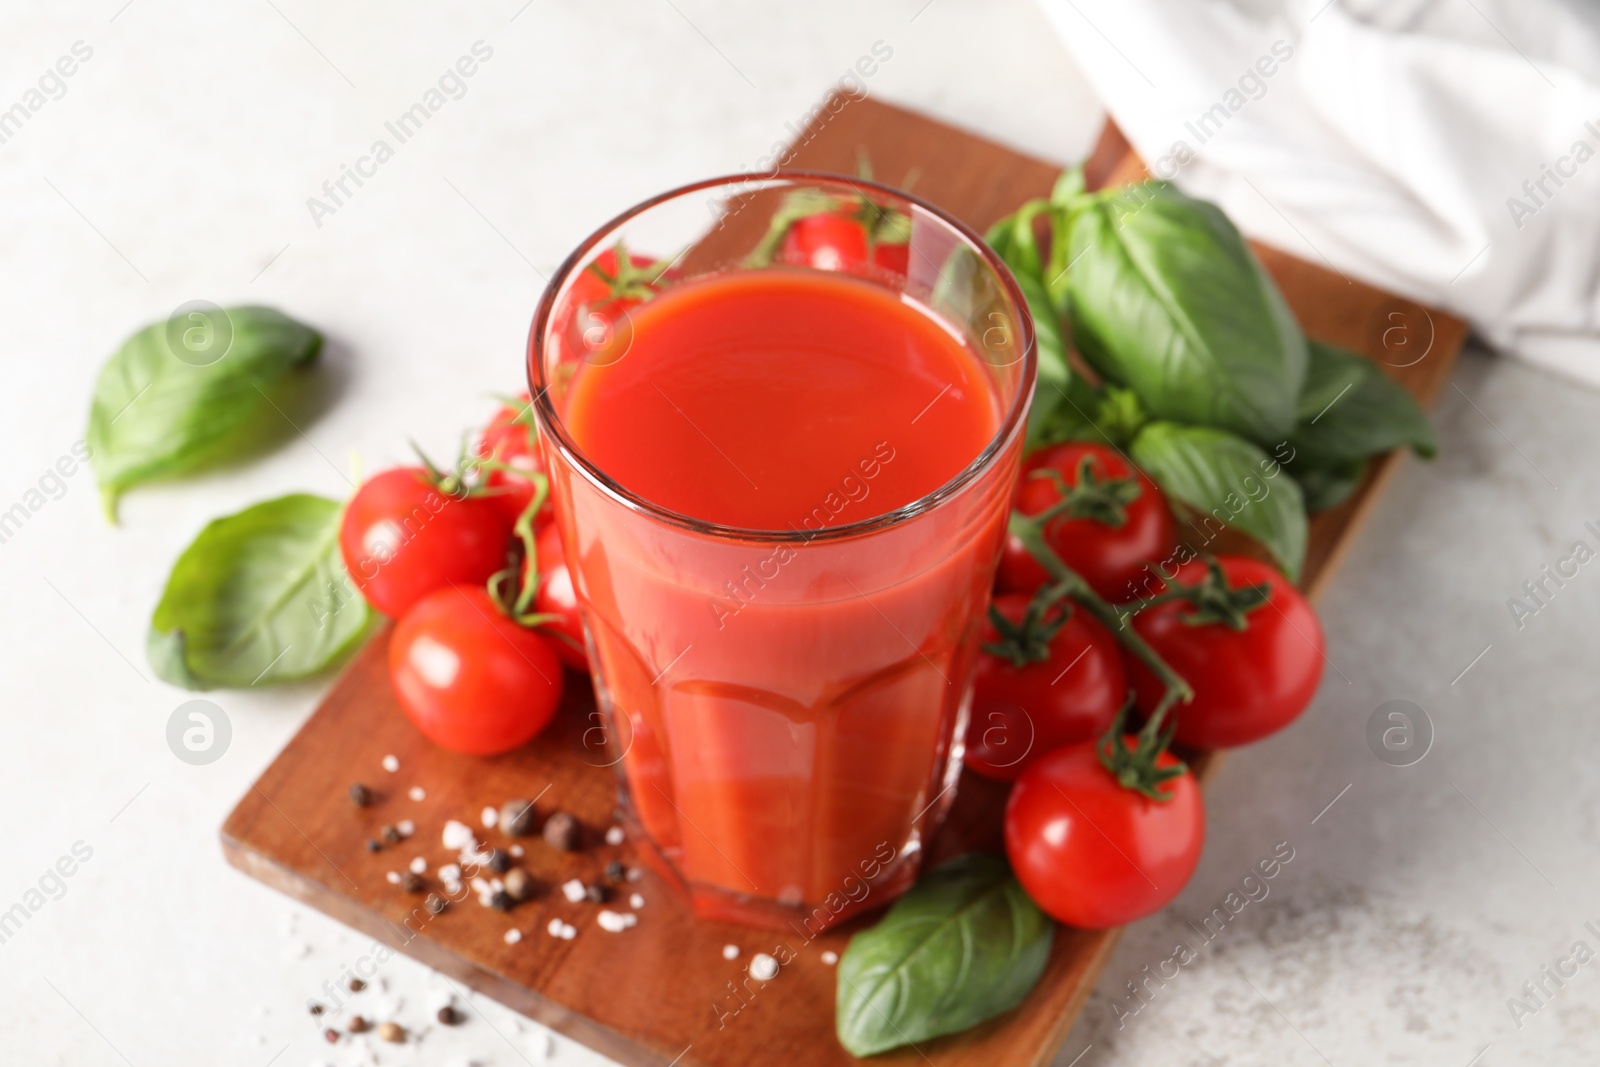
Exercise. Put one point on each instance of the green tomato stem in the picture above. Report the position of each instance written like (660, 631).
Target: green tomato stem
(530, 546)
(1029, 529)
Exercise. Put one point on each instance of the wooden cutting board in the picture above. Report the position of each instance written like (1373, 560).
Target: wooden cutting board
(662, 992)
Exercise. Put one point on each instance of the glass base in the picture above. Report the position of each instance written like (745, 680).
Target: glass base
(804, 918)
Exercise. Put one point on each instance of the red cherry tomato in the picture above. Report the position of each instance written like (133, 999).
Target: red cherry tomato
(604, 276)
(1110, 557)
(556, 596)
(402, 538)
(1093, 853)
(892, 256)
(1247, 684)
(1020, 713)
(472, 680)
(826, 241)
(599, 299)
(512, 439)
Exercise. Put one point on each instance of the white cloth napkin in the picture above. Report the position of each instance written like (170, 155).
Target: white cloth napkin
(1448, 150)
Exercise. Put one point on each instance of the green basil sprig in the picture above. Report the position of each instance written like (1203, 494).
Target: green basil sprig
(963, 945)
(1166, 298)
(1220, 477)
(258, 597)
(177, 392)
(1203, 368)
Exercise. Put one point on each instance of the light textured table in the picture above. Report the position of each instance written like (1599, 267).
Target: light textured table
(177, 165)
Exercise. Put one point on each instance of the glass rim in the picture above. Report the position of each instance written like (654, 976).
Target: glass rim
(554, 429)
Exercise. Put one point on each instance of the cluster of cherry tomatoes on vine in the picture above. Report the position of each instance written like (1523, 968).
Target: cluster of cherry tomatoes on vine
(1102, 616)
(469, 562)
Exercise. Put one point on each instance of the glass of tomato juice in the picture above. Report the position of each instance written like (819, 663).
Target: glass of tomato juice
(782, 458)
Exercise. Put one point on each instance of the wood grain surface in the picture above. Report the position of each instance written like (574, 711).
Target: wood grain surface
(662, 993)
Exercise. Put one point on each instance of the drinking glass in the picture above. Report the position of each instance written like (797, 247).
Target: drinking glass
(783, 709)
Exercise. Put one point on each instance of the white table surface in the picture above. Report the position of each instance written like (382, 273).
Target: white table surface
(177, 165)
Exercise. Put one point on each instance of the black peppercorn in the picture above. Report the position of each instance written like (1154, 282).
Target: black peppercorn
(517, 817)
(561, 832)
(519, 886)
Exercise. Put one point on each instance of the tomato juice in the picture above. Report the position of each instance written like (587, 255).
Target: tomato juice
(786, 697)
(759, 399)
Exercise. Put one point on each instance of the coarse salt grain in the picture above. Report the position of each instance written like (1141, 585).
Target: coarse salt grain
(568, 931)
(450, 873)
(636, 901)
(830, 958)
(416, 792)
(393, 877)
(406, 827)
(513, 936)
(490, 817)
(457, 836)
(730, 952)
(615, 836)
(614, 921)
(391, 763)
(573, 890)
(419, 866)
(554, 929)
(480, 887)
(763, 967)
(635, 874)
(517, 851)
(541, 1045)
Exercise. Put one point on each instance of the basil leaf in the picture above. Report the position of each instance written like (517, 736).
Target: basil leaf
(259, 597)
(177, 392)
(1166, 298)
(1226, 479)
(963, 945)
(1065, 195)
(1061, 399)
(1350, 409)
(1055, 384)
(1013, 241)
(1327, 487)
